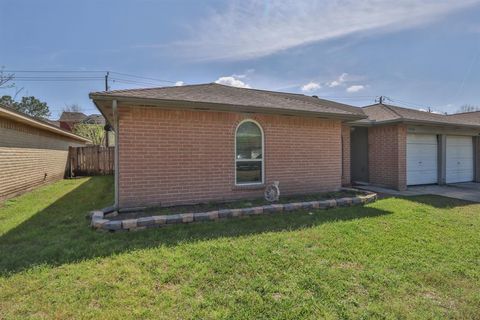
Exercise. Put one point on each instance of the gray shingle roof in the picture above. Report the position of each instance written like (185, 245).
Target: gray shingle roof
(72, 116)
(94, 119)
(217, 94)
(471, 117)
(383, 113)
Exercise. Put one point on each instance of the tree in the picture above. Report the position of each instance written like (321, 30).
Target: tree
(468, 108)
(93, 132)
(33, 107)
(7, 101)
(28, 105)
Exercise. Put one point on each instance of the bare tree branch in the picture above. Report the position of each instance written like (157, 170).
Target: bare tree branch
(468, 108)
(5, 79)
(72, 108)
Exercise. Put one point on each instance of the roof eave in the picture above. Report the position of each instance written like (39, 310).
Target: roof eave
(440, 123)
(211, 106)
(25, 119)
(107, 120)
(417, 122)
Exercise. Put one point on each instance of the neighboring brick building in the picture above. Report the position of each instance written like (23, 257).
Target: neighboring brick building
(403, 147)
(32, 152)
(210, 142)
(68, 119)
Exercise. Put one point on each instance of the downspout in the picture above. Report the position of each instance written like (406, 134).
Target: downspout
(116, 156)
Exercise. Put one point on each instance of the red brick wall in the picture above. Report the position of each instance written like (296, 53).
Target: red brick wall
(346, 155)
(387, 156)
(67, 125)
(177, 157)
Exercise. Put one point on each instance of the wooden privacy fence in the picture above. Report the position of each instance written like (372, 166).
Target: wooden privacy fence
(90, 161)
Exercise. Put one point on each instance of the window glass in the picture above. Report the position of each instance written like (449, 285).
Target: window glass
(249, 171)
(249, 153)
(249, 141)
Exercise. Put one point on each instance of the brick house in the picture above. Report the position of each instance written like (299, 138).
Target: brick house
(210, 142)
(68, 119)
(397, 147)
(32, 152)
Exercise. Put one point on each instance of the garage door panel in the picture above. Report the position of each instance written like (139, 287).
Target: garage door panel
(422, 138)
(460, 140)
(422, 164)
(421, 177)
(424, 171)
(459, 159)
(422, 159)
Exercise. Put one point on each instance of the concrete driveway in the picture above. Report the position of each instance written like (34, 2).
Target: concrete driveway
(469, 191)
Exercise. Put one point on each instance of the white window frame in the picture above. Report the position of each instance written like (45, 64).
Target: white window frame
(247, 160)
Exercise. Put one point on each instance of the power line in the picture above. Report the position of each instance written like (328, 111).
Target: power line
(62, 80)
(407, 103)
(433, 109)
(467, 75)
(141, 77)
(127, 81)
(350, 98)
(88, 71)
(56, 77)
(55, 71)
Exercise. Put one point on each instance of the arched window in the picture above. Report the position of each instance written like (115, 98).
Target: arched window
(249, 153)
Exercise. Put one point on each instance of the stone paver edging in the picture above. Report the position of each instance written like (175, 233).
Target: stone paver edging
(100, 218)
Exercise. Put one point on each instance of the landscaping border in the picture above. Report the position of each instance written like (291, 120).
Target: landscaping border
(100, 221)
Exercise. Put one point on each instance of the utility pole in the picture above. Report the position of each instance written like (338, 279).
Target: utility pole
(381, 99)
(106, 81)
(107, 127)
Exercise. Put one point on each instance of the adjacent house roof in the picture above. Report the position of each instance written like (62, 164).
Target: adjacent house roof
(214, 96)
(472, 117)
(72, 116)
(94, 119)
(55, 123)
(9, 113)
(384, 114)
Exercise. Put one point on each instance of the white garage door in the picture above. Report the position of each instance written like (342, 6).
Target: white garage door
(459, 165)
(421, 159)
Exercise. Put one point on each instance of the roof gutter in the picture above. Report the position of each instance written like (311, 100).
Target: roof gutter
(103, 114)
(415, 122)
(439, 123)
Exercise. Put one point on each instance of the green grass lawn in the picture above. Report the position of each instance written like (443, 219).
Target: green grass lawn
(397, 258)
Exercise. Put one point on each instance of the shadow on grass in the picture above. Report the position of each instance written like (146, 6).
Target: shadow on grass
(437, 201)
(60, 233)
